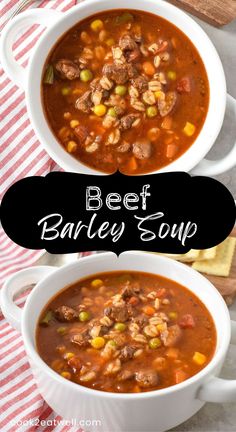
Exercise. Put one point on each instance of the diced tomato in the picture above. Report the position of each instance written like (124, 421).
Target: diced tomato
(180, 376)
(133, 300)
(187, 321)
(184, 85)
(161, 292)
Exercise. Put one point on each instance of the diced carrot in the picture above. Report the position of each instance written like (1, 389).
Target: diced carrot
(149, 310)
(167, 123)
(180, 376)
(132, 164)
(136, 389)
(159, 363)
(172, 353)
(149, 68)
(171, 150)
(169, 139)
(133, 300)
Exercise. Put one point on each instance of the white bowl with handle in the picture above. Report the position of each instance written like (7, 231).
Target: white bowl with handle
(151, 411)
(58, 23)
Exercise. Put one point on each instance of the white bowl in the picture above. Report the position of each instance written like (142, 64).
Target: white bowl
(152, 411)
(59, 23)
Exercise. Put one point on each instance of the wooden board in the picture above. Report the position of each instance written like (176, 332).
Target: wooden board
(226, 285)
(215, 12)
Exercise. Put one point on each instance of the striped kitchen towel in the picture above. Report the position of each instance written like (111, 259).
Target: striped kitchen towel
(21, 154)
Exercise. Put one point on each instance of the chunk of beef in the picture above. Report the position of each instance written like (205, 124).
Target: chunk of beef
(66, 314)
(140, 83)
(129, 291)
(125, 375)
(171, 336)
(84, 102)
(67, 69)
(142, 149)
(132, 71)
(81, 339)
(147, 378)
(81, 132)
(120, 73)
(127, 43)
(127, 121)
(141, 320)
(166, 105)
(124, 147)
(116, 72)
(127, 353)
(129, 47)
(117, 313)
(133, 56)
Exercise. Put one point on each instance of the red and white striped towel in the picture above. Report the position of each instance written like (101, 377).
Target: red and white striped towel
(21, 154)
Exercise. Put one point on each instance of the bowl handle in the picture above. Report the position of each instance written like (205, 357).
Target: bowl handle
(46, 17)
(212, 168)
(14, 285)
(218, 389)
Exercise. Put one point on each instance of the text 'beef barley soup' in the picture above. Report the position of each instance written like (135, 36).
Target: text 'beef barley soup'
(125, 90)
(126, 332)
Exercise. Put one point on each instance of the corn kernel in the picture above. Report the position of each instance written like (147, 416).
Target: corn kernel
(110, 42)
(96, 25)
(189, 129)
(74, 123)
(159, 94)
(171, 75)
(68, 355)
(66, 375)
(161, 327)
(96, 283)
(173, 315)
(100, 110)
(71, 146)
(199, 358)
(98, 342)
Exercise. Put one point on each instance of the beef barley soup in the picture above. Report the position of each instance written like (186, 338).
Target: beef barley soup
(126, 332)
(125, 90)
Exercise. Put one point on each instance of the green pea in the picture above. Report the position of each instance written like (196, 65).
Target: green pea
(86, 75)
(120, 90)
(120, 327)
(151, 111)
(84, 316)
(111, 343)
(65, 91)
(112, 112)
(154, 343)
